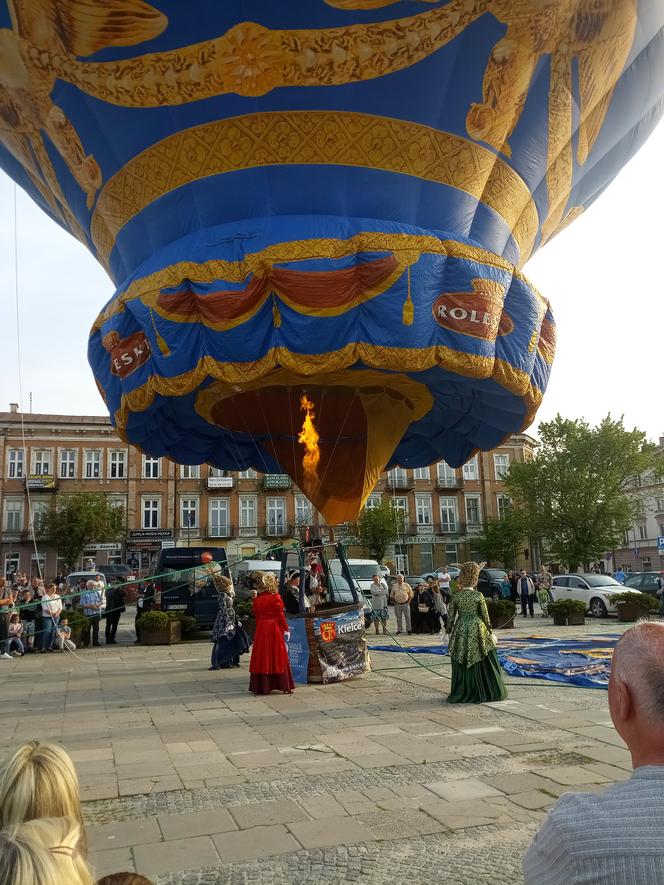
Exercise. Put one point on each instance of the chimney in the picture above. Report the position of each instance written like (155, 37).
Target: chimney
(13, 408)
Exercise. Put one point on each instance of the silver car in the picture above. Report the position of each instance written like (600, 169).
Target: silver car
(595, 590)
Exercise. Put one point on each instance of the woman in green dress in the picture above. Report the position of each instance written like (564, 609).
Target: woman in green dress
(476, 676)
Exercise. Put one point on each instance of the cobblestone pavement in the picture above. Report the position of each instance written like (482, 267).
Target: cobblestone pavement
(188, 779)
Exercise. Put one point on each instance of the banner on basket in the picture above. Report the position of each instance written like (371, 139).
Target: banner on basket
(341, 646)
(298, 649)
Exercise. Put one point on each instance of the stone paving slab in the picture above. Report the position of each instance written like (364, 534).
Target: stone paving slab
(377, 779)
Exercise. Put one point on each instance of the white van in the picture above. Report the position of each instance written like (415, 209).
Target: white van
(362, 569)
(240, 569)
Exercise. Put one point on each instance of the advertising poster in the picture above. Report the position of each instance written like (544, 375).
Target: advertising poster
(342, 648)
(298, 649)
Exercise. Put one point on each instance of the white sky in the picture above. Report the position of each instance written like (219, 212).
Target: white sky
(602, 275)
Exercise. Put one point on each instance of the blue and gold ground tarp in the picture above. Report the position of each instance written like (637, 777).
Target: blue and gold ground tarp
(582, 662)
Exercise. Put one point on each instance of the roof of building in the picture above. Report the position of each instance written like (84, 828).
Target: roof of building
(31, 418)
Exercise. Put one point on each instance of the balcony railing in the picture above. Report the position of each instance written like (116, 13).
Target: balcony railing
(449, 482)
(219, 531)
(474, 528)
(399, 482)
(247, 531)
(276, 530)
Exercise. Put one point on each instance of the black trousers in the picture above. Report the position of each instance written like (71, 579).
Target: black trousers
(4, 633)
(112, 621)
(528, 601)
(93, 626)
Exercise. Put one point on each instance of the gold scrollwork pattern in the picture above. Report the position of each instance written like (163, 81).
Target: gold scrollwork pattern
(314, 137)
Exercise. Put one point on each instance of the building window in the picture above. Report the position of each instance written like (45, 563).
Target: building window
(248, 513)
(473, 510)
(643, 532)
(247, 474)
(451, 553)
(421, 473)
(303, 511)
(12, 563)
(92, 464)
(646, 563)
(219, 518)
(15, 464)
(426, 558)
(372, 502)
(504, 503)
(661, 529)
(659, 504)
(68, 464)
(150, 513)
(13, 516)
(150, 467)
(193, 471)
(189, 512)
(470, 470)
(449, 516)
(501, 464)
(42, 462)
(401, 504)
(117, 464)
(423, 513)
(40, 511)
(446, 475)
(276, 516)
(397, 478)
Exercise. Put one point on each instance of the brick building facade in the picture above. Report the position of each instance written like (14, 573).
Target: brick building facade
(247, 513)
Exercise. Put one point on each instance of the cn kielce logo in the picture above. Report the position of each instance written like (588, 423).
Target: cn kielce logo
(478, 313)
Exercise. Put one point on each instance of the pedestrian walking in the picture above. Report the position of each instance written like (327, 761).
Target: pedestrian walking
(379, 597)
(402, 594)
(444, 580)
(513, 578)
(476, 676)
(229, 638)
(527, 594)
(115, 606)
(6, 602)
(269, 666)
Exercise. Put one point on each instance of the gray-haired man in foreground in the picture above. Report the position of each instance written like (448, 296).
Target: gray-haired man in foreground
(616, 836)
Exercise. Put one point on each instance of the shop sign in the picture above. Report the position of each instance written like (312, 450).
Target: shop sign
(220, 482)
(276, 481)
(41, 482)
(150, 534)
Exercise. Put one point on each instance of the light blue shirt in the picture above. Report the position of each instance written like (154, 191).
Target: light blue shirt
(611, 838)
(92, 597)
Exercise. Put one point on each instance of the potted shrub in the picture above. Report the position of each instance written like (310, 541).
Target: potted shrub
(570, 612)
(245, 614)
(77, 622)
(156, 628)
(501, 613)
(634, 606)
(188, 623)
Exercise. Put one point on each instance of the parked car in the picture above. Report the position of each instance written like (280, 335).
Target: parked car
(452, 571)
(490, 582)
(240, 570)
(595, 590)
(645, 582)
(174, 571)
(117, 570)
(362, 570)
(339, 592)
(73, 582)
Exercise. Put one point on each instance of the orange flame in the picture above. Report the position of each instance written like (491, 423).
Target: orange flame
(308, 436)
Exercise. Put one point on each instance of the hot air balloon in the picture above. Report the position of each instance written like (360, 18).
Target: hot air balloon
(316, 212)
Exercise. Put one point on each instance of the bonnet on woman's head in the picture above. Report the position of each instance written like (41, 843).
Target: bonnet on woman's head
(469, 574)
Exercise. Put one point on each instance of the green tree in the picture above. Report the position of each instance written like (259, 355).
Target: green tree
(378, 527)
(575, 493)
(75, 521)
(501, 538)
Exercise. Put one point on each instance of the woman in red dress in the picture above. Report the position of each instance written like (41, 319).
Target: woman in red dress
(269, 666)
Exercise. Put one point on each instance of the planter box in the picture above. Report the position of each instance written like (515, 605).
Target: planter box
(628, 611)
(161, 637)
(559, 619)
(576, 619)
(501, 622)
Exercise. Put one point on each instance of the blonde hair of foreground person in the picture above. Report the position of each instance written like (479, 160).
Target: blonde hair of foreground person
(43, 852)
(40, 780)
